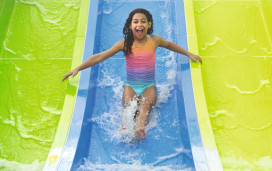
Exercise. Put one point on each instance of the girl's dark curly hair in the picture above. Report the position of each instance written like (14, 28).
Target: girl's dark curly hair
(128, 35)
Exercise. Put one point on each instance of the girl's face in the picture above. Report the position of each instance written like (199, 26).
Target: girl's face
(139, 25)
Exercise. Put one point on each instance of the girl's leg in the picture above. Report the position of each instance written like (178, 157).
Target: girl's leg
(147, 101)
(128, 96)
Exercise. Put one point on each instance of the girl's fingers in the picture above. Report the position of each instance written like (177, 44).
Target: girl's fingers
(70, 73)
(66, 76)
(74, 74)
(200, 60)
(196, 59)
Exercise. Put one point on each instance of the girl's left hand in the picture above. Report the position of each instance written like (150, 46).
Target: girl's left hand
(195, 58)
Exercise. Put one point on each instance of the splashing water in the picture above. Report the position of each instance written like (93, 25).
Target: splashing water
(114, 148)
(119, 117)
(124, 167)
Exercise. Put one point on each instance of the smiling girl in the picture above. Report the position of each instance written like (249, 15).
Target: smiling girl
(139, 51)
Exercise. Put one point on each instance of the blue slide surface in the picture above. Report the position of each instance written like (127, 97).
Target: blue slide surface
(173, 139)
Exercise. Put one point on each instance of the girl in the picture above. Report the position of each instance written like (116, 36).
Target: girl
(139, 51)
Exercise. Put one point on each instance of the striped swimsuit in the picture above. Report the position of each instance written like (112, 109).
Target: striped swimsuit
(141, 67)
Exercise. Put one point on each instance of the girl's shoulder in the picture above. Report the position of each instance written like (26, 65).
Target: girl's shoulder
(156, 39)
(119, 44)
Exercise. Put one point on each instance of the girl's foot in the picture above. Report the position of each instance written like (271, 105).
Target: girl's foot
(140, 133)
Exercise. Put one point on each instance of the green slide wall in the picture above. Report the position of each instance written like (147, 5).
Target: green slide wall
(234, 39)
(37, 45)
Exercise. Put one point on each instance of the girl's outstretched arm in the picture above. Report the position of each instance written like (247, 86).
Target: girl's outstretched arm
(95, 59)
(176, 48)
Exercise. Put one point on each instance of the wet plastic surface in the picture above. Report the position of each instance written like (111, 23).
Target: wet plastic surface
(167, 143)
(234, 40)
(37, 43)
(99, 147)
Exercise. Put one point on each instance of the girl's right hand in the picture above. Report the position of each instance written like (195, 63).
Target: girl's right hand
(73, 73)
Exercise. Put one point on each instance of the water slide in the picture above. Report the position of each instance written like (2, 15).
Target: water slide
(94, 140)
(208, 117)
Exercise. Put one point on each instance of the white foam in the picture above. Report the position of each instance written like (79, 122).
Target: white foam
(13, 165)
(165, 88)
(8, 121)
(124, 167)
(263, 83)
(218, 40)
(37, 4)
(52, 110)
(110, 121)
(6, 41)
(107, 7)
(127, 117)
(178, 152)
(73, 4)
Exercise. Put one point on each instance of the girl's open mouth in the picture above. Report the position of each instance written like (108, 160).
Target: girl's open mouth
(139, 32)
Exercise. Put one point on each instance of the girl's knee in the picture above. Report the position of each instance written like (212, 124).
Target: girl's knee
(148, 101)
(127, 100)
(147, 105)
